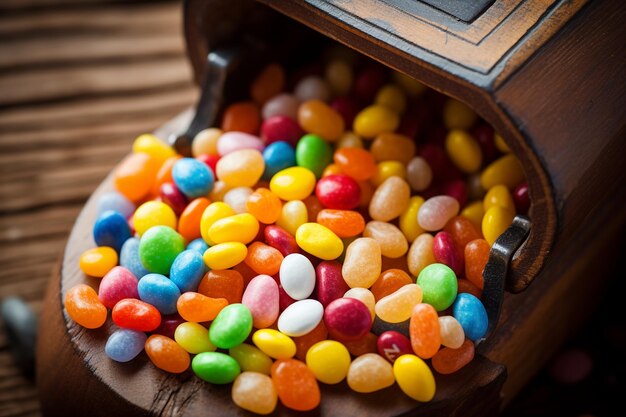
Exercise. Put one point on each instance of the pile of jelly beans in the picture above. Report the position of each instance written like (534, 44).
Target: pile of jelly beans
(334, 227)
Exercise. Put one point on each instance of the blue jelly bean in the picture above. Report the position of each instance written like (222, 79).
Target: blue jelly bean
(111, 229)
(116, 202)
(187, 270)
(199, 245)
(194, 178)
(160, 291)
(472, 316)
(129, 258)
(278, 156)
(125, 344)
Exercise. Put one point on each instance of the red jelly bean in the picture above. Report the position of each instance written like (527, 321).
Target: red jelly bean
(347, 319)
(456, 189)
(347, 107)
(173, 197)
(281, 128)
(391, 345)
(168, 325)
(136, 315)
(209, 160)
(521, 199)
(279, 238)
(339, 192)
(448, 360)
(284, 300)
(483, 134)
(445, 252)
(368, 81)
(330, 284)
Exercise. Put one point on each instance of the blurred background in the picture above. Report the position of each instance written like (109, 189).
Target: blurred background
(79, 80)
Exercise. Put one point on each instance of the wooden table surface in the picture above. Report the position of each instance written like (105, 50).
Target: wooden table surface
(79, 80)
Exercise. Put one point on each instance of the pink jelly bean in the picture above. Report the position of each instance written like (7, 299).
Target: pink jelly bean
(445, 252)
(347, 107)
(330, 283)
(456, 189)
(261, 298)
(281, 105)
(391, 345)
(283, 128)
(234, 141)
(347, 319)
(280, 239)
(339, 192)
(117, 284)
(168, 325)
(173, 197)
(436, 211)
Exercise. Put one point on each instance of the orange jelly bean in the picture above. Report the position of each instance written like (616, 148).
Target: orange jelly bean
(264, 205)
(189, 221)
(319, 118)
(134, 176)
(242, 117)
(226, 284)
(355, 162)
(296, 385)
(313, 207)
(476, 257)
(367, 192)
(166, 354)
(195, 307)
(84, 307)
(263, 259)
(164, 174)
(463, 231)
(448, 360)
(268, 83)
(366, 344)
(389, 282)
(393, 147)
(424, 331)
(303, 343)
(345, 223)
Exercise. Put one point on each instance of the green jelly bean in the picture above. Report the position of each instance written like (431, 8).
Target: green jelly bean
(314, 153)
(231, 326)
(158, 248)
(215, 367)
(439, 286)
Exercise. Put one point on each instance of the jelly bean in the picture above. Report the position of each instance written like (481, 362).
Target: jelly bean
(367, 191)
(472, 316)
(389, 282)
(261, 298)
(187, 270)
(96, 262)
(361, 346)
(347, 319)
(452, 334)
(418, 174)
(226, 284)
(212, 213)
(496, 220)
(173, 197)
(362, 264)
(368, 82)
(295, 183)
(374, 120)
(237, 228)
(134, 176)
(111, 229)
(330, 282)
(115, 201)
(312, 88)
(264, 205)
(263, 259)
(436, 211)
(83, 306)
(279, 238)
(220, 188)
(129, 258)
(338, 74)
(420, 254)
(166, 354)
(300, 318)
(304, 342)
(476, 257)
(414, 377)
(159, 291)
(225, 255)
(215, 367)
(474, 189)
(501, 144)
(349, 140)
(370, 373)
(365, 296)
(319, 241)
(295, 384)
(313, 207)
(231, 326)
(189, 221)
(194, 338)
(392, 97)
(168, 325)
(455, 189)
(241, 168)
(153, 213)
(410, 85)
(197, 245)
(292, 215)
(474, 212)
(133, 314)
(344, 223)
(424, 330)
(462, 231)
(313, 153)
(237, 197)
(281, 128)
(356, 163)
(507, 171)
(205, 142)
(163, 175)
(329, 361)
(274, 343)
(484, 135)
(192, 177)
(392, 242)
(117, 284)
(408, 219)
(521, 199)
(449, 360)
(241, 117)
(268, 83)
(498, 195)
(390, 199)
(297, 276)
(393, 147)
(338, 192)
(391, 345)
(278, 156)
(464, 151)
(387, 169)
(254, 392)
(281, 105)
(457, 115)
(124, 345)
(195, 307)
(398, 306)
(318, 118)
(446, 252)
(250, 358)
(284, 300)
(158, 248)
(439, 285)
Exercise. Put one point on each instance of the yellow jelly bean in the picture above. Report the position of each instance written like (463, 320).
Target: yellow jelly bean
(240, 168)
(392, 96)
(194, 338)
(293, 215)
(457, 115)
(225, 255)
(96, 262)
(274, 344)
(464, 151)
(238, 228)
(154, 147)
(498, 195)
(254, 392)
(214, 212)
(408, 219)
(421, 253)
(374, 120)
(495, 222)
(412, 87)
(388, 169)
(350, 140)
(251, 359)
(362, 263)
(475, 212)
(205, 142)
(506, 170)
(501, 144)
(414, 377)
(370, 372)
(398, 306)
(153, 213)
(319, 241)
(365, 296)
(295, 183)
(329, 361)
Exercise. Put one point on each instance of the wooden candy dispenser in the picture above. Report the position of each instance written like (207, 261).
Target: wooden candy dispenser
(547, 75)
